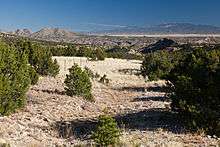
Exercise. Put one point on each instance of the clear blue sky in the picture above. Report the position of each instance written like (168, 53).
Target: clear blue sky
(81, 15)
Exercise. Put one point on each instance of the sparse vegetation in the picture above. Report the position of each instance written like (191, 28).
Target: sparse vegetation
(78, 83)
(193, 77)
(107, 133)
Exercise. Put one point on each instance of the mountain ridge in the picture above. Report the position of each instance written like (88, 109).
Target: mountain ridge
(166, 28)
(63, 35)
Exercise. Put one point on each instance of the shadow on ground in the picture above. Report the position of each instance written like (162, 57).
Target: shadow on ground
(129, 71)
(151, 98)
(145, 89)
(50, 91)
(151, 119)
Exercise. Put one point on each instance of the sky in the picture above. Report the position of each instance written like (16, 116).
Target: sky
(88, 15)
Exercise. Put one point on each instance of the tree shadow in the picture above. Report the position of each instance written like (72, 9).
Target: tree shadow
(145, 89)
(80, 129)
(128, 71)
(56, 91)
(132, 89)
(158, 89)
(151, 98)
(151, 119)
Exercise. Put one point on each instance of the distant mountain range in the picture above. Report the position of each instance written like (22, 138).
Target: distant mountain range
(57, 34)
(49, 34)
(167, 28)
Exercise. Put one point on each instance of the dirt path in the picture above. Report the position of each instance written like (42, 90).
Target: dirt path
(141, 110)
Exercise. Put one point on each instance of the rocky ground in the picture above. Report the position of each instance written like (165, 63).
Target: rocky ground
(141, 109)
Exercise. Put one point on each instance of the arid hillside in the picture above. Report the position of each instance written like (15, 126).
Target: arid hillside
(141, 110)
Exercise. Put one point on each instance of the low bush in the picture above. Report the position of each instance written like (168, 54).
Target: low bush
(107, 133)
(89, 72)
(78, 83)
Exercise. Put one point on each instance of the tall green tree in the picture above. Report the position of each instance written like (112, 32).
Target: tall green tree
(14, 79)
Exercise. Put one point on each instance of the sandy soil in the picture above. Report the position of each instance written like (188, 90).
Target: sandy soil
(51, 118)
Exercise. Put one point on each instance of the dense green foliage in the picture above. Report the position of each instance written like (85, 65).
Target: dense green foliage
(196, 87)
(40, 58)
(98, 54)
(157, 65)
(14, 79)
(34, 76)
(107, 133)
(194, 77)
(122, 53)
(90, 73)
(94, 53)
(78, 83)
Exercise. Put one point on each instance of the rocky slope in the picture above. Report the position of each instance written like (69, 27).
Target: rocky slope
(23, 32)
(48, 34)
(53, 34)
(51, 118)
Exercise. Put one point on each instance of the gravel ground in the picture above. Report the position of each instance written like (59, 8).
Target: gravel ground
(51, 118)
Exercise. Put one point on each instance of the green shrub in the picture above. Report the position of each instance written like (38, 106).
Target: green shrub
(39, 57)
(53, 68)
(41, 60)
(14, 79)
(98, 54)
(34, 76)
(84, 51)
(107, 133)
(89, 72)
(158, 64)
(70, 51)
(196, 87)
(122, 53)
(78, 83)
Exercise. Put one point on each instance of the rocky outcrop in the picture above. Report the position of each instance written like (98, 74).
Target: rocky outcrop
(23, 32)
(159, 45)
(54, 34)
